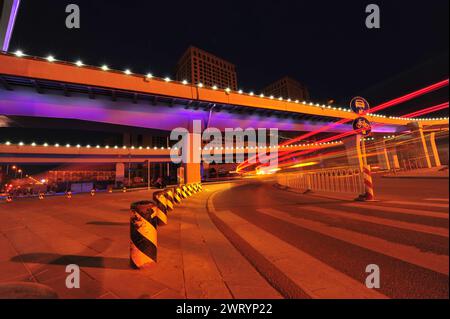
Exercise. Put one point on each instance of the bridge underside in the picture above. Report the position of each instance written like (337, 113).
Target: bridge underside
(41, 99)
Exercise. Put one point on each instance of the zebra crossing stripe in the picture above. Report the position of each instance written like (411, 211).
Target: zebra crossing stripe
(413, 255)
(381, 221)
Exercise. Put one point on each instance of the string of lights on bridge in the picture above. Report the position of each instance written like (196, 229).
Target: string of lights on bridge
(79, 63)
(78, 146)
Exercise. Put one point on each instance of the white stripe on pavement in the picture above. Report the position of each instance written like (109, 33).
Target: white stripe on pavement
(400, 202)
(381, 221)
(316, 278)
(413, 255)
(370, 206)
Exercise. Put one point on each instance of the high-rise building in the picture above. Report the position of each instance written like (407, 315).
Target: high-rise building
(198, 66)
(287, 88)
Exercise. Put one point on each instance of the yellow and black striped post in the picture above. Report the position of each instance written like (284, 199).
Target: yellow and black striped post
(143, 234)
(179, 190)
(186, 190)
(191, 188)
(163, 204)
(170, 193)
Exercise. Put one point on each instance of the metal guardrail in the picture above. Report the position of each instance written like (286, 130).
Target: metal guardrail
(339, 180)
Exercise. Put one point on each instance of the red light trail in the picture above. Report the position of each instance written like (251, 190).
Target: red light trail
(418, 113)
(427, 110)
(382, 106)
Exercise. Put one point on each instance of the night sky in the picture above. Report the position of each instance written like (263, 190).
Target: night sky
(323, 44)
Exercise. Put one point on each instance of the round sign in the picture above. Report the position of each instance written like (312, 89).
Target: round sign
(362, 125)
(359, 105)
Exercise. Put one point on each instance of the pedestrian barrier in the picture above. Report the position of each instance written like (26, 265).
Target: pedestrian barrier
(349, 180)
(143, 234)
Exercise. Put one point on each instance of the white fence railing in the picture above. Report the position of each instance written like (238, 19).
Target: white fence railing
(339, 180)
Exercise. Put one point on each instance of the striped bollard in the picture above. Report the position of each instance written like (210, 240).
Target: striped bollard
(93, 192)
(69, 194)
(124, 189)
(41, 196)
(186, 190)
(162, 203)
(143, 234)
(9, 198)
(173, 196)
(180, 192)
(368, 184)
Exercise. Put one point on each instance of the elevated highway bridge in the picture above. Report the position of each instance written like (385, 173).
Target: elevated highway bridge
(40, 88)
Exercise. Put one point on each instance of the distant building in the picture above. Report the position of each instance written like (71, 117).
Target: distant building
(198, 66)
(287, 87)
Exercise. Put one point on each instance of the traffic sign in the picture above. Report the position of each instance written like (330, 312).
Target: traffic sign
(359, 105)
(362, 125)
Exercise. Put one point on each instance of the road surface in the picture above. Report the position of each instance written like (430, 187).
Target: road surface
(282, 243)
(405, 235)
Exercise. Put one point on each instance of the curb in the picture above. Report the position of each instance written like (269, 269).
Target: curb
(417, 177)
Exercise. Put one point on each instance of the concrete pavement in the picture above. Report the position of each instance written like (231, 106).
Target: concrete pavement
(39, 238)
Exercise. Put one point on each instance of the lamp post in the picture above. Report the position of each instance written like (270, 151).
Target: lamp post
(8, 13)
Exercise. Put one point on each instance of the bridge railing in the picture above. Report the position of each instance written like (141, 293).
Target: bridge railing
(349, 180)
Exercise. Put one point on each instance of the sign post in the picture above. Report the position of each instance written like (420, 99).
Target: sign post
(363, 126)
(360, 106)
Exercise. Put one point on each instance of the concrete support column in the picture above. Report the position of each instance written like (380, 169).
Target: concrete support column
(120, 172)
(353, 151)
(422, 148)
(425, 147)
(437, 160)
(395, 163)
(192, 163)
(382, 155)
(149, 179)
